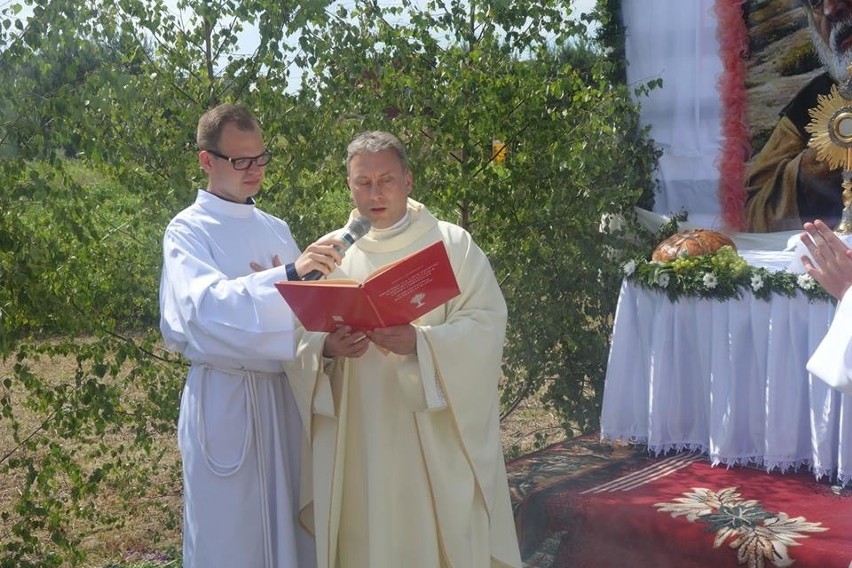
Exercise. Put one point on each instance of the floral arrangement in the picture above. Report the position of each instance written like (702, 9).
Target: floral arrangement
(722, 275)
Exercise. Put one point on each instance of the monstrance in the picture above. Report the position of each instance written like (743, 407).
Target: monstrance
(831, 136)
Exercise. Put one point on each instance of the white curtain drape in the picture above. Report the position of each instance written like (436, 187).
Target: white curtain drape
(676, 40)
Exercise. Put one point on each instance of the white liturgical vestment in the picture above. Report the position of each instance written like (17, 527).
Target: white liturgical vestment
(832, 360)
(239, 431)
(405, 477)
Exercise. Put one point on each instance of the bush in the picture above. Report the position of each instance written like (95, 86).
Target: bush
(798, 59)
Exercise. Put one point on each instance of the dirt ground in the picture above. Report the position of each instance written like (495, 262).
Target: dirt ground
(149, 530)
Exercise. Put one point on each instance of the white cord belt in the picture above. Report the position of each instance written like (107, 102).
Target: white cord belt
(252, 428)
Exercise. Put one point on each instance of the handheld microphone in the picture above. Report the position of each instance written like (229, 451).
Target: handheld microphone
(356, 229)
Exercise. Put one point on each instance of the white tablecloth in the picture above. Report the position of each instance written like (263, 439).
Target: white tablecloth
(726, 378)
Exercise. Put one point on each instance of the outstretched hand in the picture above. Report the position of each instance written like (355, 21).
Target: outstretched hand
(833, 268)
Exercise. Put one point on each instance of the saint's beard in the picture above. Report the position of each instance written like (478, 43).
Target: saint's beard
(835, 63)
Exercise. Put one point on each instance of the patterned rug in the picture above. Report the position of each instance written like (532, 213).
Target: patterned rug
(582, 503)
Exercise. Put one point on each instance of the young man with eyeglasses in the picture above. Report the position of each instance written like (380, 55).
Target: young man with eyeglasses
(786, 184)
(239, 429)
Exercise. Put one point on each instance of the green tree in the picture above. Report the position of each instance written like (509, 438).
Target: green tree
(97, 111)
(454, 78)
(120, 85)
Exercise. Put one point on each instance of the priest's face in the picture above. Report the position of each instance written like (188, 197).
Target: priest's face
(831, 31)
(224, 179)
(380, 186)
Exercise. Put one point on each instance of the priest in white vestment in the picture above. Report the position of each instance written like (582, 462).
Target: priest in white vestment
(407, 462)
(830, 264)
(239, 430)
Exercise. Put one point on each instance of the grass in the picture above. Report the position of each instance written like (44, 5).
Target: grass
(135, 520)
(529, 428)
(161, 561)
(149, 534)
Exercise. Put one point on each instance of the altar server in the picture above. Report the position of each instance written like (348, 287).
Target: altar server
(830, 264)
(408, 465)
(239, 431)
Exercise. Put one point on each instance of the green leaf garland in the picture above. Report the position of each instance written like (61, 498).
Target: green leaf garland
(722, 275)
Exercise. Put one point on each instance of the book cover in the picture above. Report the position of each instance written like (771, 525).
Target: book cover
(395, 294)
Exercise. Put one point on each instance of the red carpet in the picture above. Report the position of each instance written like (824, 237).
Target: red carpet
(581, 503)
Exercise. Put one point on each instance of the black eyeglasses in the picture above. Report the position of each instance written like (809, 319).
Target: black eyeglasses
(245, 162)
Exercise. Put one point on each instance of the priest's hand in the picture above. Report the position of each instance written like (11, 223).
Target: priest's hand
(344, 342)
(400, 339)
(322, 255)
(833, 268)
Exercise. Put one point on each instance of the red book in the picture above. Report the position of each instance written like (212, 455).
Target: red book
(396, 294)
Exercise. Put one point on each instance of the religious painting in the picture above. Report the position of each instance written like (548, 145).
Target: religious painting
(798, 54)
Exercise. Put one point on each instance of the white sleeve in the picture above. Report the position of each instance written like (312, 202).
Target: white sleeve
(204, 311)
(418, 379)
(832, 360)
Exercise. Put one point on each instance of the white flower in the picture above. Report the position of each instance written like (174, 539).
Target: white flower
(611, 222)
(805, 282)
(756, 282)
(710, 280)
(663, 280)
(629, 268)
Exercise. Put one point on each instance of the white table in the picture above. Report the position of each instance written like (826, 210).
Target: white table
(726, 378)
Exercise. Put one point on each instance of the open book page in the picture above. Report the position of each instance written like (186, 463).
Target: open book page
(395, 294)
(416, 283)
